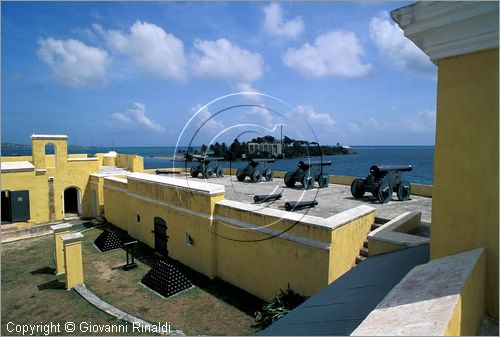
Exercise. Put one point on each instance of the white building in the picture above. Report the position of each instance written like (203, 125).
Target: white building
(272, 148)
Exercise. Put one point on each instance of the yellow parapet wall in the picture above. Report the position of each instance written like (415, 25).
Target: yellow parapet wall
(444, 297)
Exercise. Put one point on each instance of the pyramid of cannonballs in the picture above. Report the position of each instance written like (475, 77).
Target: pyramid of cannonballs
(108, 241)
(165, 279)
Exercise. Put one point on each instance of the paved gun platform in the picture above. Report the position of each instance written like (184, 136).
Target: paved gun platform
(331, 200)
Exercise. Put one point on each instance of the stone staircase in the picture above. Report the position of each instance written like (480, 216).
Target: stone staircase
(363, 252)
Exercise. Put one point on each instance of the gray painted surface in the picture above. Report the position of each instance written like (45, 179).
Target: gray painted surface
(339, 308)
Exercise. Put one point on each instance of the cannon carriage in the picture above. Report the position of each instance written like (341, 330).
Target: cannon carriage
(382, 182)
(207, 166)
(307, 173)
(256, 169)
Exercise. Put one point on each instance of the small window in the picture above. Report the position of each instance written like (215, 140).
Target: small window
(189, 239)
(138, 218)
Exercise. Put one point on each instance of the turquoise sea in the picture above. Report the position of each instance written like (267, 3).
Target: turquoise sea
(420, 157)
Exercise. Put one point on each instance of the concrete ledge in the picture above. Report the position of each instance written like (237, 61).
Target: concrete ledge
(16, 166)
(111, 310)
(307, 220)
(349, 216)
(72, 237)
(116, 179)
(192, 186)
(61, 227)
(49, 137)
(84, 159)
(393, 235)
(443, 297)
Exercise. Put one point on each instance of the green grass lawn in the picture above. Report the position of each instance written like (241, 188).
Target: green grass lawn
(31, 293)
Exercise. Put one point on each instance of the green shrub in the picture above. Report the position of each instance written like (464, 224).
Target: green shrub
(281, 305)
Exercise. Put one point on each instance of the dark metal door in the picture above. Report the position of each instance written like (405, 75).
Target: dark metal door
(161, 236)
(20, 205)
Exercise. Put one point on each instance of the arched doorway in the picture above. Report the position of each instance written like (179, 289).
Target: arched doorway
(72, 204)
(50, 155)
(161, 237)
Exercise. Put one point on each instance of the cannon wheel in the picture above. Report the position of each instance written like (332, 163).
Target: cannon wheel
(289, 179)
(357, 189)
(208, 173)
(307, 181)
(268, 175)
(194, 172)
(219, 171)
(384, 192)
(256, 175)
(404, 191)
(240, 174)
(323, 181)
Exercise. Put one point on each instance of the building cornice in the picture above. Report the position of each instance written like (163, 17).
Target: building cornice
(450, 28)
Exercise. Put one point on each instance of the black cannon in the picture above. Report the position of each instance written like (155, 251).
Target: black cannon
(266, 197)
(382, 181)
(207, 166)
(307, 173)
(296, 205)
(256, 169)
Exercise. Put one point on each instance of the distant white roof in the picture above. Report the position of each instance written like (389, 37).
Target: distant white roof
(49, 137)
(16, 166)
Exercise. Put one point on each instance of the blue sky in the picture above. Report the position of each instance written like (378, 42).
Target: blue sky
(138, 74)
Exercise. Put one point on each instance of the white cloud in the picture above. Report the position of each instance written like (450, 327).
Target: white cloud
(423, 121)
(74, 63)
(223, 60)
(205, 116)
(396, 48)
(336, 53)
(247, 88)
(260, 116)
(154, 50)
(277, 26)
(416, 123)
(314, 118)
(136, 114)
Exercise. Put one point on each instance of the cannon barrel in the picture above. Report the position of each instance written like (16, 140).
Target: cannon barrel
(305, 165)
(167, 172)
(209, 159)
(266, 197)
(377, 169)
(261, 160)
(296, 205)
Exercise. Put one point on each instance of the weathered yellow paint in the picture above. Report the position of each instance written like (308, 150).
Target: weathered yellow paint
(346, 243)
(73, 262)
(59, 247)
(60, 170)
(465, 197)
(225, 247)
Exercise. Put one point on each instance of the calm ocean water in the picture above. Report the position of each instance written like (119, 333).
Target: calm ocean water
(420, 157)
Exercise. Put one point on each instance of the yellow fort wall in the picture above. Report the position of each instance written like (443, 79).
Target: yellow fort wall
(260, 250)
(465, 197)
(61, 169)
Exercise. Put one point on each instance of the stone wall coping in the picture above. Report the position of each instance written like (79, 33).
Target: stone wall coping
(72, 237)
(49, 137)
(116, 179)
(308, 220)
(343, 218)
(389, 231)
(61, 227)
(423, 302)
(83, 159)
(194, 186)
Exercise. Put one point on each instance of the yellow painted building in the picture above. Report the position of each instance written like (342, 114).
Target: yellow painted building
(260, 250)
(46, 187)
(461, 38)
